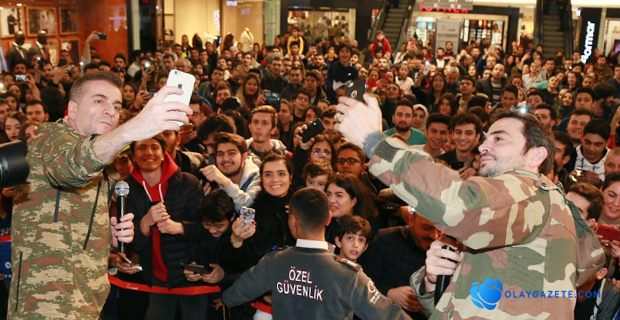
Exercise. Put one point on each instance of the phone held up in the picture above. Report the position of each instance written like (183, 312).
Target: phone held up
(314, 128)
(183, 81)
(247, 215)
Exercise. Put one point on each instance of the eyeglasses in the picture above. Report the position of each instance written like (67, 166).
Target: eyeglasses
(321, 153)
(349, 161)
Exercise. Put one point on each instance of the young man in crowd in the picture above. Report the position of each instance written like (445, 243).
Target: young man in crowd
(233, 171)
(403, 121)
(262, 124)
(593, 150)
(466, 131)
(437, 130)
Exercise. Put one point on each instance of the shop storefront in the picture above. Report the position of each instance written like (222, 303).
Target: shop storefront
(323, 22)
(498, 25)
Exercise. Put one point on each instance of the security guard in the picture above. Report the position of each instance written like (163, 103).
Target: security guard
(307, 281)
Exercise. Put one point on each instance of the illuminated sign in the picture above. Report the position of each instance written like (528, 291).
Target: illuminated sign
(590, 26)
(443, 5)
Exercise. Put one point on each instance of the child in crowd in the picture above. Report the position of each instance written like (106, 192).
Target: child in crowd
(316, 175)
(353, 237)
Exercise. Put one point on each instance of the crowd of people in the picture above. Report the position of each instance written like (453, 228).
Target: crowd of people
(244, 148)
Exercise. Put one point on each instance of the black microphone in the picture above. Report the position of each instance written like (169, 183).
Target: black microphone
(121, 189)
(443, 281)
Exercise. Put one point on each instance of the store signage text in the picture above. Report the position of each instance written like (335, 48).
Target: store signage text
(587, 51)
(439, 9)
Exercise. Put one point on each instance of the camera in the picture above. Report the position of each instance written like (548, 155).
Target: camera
(14, 168)
(146, 64)
(272, 99)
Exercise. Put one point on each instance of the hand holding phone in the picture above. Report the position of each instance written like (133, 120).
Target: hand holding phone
(314, 128)
(355, 89)
(247, 215)
(197, 268)
(183, 81)
(608, 232)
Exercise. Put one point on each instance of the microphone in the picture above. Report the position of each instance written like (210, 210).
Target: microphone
(121, 189)
(443, 281)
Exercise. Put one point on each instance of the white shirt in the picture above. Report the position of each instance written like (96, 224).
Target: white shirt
(599, 168)
(312, 244)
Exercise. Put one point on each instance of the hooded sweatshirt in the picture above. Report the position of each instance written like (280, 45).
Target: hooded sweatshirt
(156, 194)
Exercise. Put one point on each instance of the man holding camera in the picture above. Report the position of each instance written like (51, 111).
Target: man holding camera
(61, 228)
(521, 233)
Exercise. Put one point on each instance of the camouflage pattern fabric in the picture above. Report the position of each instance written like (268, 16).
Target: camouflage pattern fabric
(520, 235)
(60, 266)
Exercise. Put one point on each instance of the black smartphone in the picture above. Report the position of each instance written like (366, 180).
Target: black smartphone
(458, 165)
(21, 78)
(314, 128)
(355, 89)
(197, 268)
(272, 99)
(102, 36)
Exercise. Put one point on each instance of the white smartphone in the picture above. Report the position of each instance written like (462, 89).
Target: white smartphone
(183, 81)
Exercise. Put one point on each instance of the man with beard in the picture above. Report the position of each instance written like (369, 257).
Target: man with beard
(403, 120)
(329, 122)
(234, 172)
(402, 251)
(466, 131)
(515, 222)
(437, 128)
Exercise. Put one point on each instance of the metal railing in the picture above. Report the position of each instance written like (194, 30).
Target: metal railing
(378, 23)
(403, 29)
(569, 36)
(538, 24)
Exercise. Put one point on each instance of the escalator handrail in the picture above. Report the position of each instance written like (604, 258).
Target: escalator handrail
(378, 25)
(404, 26)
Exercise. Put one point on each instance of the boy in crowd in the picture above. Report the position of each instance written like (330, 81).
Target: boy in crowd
(316, 175)
(353, 237)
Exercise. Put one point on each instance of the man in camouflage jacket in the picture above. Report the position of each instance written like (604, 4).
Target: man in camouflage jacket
(521, 236)
(61, 230)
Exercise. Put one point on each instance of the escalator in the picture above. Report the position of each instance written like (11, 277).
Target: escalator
(550, 31)
(393, 20)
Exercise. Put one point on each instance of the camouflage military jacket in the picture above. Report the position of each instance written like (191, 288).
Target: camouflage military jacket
(527, 251)
(61, 234)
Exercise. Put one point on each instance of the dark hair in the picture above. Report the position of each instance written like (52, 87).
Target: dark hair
(467, 77)
(466, 118)
(585, 90)
(311, 208)
(552, 113)
(614, 177)
(107, 76)
(563, 138)
(404, 103)
(216, 206)
(274, 157)
(214, 123)
(535, 137)
(535, 92)
(354, 225)
(22, 130)
(351, 146)
(364, 206)
(452, 100)
(437, 118)
(34, 103)
(599, 127)
(312, 170)
(158, 137)
(592, 194)
(237, 140)
(511, 88)
(581, 112)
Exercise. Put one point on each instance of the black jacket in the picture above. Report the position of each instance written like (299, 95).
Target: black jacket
(182, 198)
(271, 231)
